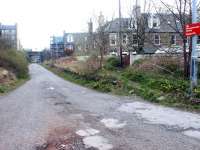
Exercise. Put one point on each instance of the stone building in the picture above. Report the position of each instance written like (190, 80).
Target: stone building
(161, 32)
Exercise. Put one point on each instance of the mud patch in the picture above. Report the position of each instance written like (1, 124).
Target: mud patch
(62, 139)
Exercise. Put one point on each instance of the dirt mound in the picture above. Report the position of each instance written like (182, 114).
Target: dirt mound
(6, 76)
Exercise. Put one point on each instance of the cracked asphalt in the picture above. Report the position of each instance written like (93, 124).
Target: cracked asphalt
(48, 109)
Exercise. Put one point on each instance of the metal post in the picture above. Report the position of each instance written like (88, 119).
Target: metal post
(194, 67)
(120, 34)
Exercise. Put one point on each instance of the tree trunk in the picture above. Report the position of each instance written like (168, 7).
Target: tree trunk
(101, 57)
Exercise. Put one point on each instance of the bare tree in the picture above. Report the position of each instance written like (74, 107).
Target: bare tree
(137, 27)
(181, 14)
(101, 38)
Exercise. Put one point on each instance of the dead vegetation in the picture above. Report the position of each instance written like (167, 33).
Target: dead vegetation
(6, 76)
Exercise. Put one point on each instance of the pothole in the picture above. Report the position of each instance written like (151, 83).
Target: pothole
(62, 103)
(62, 139)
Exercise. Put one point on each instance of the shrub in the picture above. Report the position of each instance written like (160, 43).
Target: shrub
(112, 63)
(134, 76)
(2, 89)
(15, 61)
(92, 64)
(162, 65)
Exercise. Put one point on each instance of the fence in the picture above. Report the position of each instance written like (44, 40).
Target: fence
(133, 58)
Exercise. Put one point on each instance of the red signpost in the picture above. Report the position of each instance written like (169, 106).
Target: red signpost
(192, 29)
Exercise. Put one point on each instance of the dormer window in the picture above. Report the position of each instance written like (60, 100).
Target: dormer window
(70, 38)
(132, 24)
(154, 22)
(113, 39)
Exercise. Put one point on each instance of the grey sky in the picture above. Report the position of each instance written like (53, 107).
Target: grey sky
(39, 19)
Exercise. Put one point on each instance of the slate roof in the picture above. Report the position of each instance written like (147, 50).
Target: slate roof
(113, 26)
(167, 24)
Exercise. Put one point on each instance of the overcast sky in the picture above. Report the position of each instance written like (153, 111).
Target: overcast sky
(39, 19)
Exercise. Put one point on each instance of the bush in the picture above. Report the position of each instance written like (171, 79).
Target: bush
(163, 65)
(92, 64)
(134, 76)
(2, 89)
(16, 61)
(112, 63)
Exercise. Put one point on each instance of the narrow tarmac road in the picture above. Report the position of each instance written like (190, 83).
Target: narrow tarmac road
(48, 113)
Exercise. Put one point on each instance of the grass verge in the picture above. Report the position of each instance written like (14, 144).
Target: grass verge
(156, 88)
(5, 88)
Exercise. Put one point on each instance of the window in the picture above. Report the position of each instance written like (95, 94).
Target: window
(70, 38)
(157, 39)
(113, 38)
(132, 24)
(124, 39)
(14, 31)
(173, 40)
(155, 22)
(135, 39)
(113, 42)
(198, 40)
(13, 37)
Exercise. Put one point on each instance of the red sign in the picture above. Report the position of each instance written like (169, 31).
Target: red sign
(192, 29)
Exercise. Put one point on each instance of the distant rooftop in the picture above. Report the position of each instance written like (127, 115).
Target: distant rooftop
(8, 27)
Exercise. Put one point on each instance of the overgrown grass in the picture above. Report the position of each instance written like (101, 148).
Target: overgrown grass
(5, 88)
(15, 61)
(161, 88)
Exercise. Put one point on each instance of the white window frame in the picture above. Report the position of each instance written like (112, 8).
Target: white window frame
(175, 42)
(113, 36)
(70, 38)
(159, 39)
(135, 44)
(126, 39)
(154, 19)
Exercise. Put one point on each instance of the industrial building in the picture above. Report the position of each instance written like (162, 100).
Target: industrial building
(9, 36)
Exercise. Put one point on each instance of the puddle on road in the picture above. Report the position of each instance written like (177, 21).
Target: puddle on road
(62, 103)
(162, 115)
(192, 133)
(113, 123)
